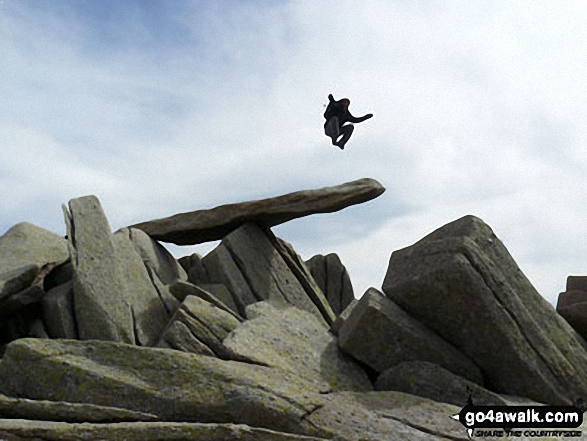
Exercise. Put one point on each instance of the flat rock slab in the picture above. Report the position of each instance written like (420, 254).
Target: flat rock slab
(172, 385)
(461, 281)
(429, 380)
(22, 408)
(380, 334)
(213, 224)
(140, 431)
(296, 341)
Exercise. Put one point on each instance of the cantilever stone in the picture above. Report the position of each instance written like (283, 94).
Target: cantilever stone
(213, 224)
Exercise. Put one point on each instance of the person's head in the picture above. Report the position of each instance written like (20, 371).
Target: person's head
(345, 102)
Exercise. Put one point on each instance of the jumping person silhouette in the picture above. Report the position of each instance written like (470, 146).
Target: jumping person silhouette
(337, 114)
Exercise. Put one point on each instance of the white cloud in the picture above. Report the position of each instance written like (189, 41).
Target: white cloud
(479, 109)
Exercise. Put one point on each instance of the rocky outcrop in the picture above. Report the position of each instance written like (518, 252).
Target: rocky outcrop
(206, 225)
(380, 334)
(462, 283)
(333, 279)
(108, 336)
(572, 304)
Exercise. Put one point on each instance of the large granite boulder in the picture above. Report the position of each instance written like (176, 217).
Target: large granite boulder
(461, 281)
(26, 244)
(294, 340)
(207, 225)
(254, 266)
(429, 380)
(380, 334)
(199, 327)
(101, 308)
(172, 385)
(333, 279)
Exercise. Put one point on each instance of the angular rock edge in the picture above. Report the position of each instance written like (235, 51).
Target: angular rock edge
(201, 226)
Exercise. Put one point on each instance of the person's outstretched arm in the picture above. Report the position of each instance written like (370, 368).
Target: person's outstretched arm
(354, 119)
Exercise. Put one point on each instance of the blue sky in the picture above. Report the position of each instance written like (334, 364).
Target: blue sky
(161, 107)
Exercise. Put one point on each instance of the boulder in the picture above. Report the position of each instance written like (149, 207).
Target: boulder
(569, 298)
(213, 224)
(217, 294)
(194, 269)
(380, 334)
(358, 416)
(156, 257)
(575, 314)
(149, 315)
(344, 315)
(296, 341)
(429, 380)
(461, 281)
(199, 327)
(577, 283)
(333, 279)
(13, 430)
(43, 410)
(17, 279)
(29, 295)
(26, 244)
(58, 313)
(172, 385)
(265, 271)
(101, 308)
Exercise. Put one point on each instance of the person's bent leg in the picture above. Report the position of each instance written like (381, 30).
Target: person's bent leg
(331, 129)
(346, 131)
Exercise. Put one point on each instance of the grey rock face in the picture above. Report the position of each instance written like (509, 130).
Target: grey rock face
(172, 385)
(296, 341)
(101, 308)
(431, 381)
(199, 327)
(12, 430)
(58, 313)
(207, 225)
(381, 334)
(333, 279)
(461, 282)
(26, 244)
(337, 324)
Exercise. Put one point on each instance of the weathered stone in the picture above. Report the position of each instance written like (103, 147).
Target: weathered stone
(43, 410)
(29, 295)
(169, 301)
(59, 275)
(26, 244)
(207, 225)
(172, 385)
(220, 292)
(265, 271)
(199, 322)
(17, 279)
(380, 334)
(461, 281)
(296, 341)
(576, 316)
(221, 268)
(157, 258)
(577, 283)
(356, 416)
(58, 314)
(333, 279)
(195, 269)
(344, 315)
(140, 431)
(38, 330)
(148, 311)
(299, 269)
(429, 380)
(101, 308)
(569, 298)
(181, 290)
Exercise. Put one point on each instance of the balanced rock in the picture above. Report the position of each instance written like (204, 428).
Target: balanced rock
(294, 340)
(172, 385)
(333, 279)
(213, 224)
(380, 334)
(429, 380)
(461, 281)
